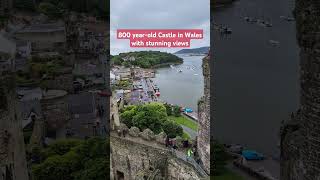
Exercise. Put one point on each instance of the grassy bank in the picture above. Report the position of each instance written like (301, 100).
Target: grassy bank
(186, 136)
(182, 120)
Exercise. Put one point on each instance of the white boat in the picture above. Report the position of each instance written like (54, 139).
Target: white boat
(274, 43)
(287, 18)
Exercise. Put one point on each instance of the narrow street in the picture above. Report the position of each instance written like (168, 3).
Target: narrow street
(191, 132)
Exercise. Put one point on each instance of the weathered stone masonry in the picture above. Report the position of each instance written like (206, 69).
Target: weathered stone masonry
(13, 164)
(203, 139)
(300, 137)
(135, 161)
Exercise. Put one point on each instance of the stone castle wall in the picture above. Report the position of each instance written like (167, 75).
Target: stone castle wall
(13, 164)
(203, 139)
(55, 112)
(63, 81)
(131, 160)
(300, 137)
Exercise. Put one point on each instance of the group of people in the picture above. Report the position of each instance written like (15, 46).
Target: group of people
(191, 151)
(122, 132)
(171, 143)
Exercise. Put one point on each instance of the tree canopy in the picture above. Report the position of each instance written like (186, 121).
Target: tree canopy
(220, 157)
(153, 116)
(145, 59)
(73, 160)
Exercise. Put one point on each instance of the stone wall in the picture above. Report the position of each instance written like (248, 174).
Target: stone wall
(131, 160)
(203, 139)
(13, 163)
(63, 81)
(300, 137)
(55, 113)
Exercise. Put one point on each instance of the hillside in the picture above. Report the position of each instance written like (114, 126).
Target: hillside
(201, 50)
(145, 59)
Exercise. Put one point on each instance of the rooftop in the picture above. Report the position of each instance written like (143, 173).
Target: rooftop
(51, 94)
(7, 44)
(29, 93)
(52, 27)
(81, 103)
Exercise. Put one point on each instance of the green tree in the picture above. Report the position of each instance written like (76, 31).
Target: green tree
(94, 170)
(128, 114)
(176, 111)
(25, 5)
(50, 10)
(219, 157)
(60, 147)
(172, 129)
(146, 59)
(145, 116)
(73, 160)
(117, 60)
(168, 108)
(150, 116)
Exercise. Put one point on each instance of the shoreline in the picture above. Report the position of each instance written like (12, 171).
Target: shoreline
(165, 65)
(221, 3)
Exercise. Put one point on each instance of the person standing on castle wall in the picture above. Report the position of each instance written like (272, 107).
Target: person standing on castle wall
(167, 141)
(124, 132)
(189, 154)
(174, 144)
(194, 152)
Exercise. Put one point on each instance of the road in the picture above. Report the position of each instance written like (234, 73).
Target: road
(238, 171)
(191, 132)
(269, 165)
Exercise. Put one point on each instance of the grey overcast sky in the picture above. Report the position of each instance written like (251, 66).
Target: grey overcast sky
(158, 14)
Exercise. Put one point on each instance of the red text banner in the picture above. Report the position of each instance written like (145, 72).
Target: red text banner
(160, 38)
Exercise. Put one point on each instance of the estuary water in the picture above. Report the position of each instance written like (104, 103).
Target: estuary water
(256, 82)
(181, 84)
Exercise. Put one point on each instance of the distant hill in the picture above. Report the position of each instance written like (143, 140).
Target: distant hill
(145, 59)
(201, 50)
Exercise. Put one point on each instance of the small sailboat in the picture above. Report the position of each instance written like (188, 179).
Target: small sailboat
(274, 43)
(287, 18)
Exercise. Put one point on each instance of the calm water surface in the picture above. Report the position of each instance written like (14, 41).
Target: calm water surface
(183, 88)
(256, 84)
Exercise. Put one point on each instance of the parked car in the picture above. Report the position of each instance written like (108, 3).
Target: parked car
(252, 155)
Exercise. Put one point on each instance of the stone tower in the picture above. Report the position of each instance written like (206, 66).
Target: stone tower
(300, 137)
(203, 139)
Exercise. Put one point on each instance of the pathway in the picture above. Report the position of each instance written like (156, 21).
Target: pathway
(238, 171)
(115, 121)
(178, 154)
(191, 132)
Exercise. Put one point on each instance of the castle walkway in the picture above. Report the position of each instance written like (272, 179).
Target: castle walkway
(179, 154)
